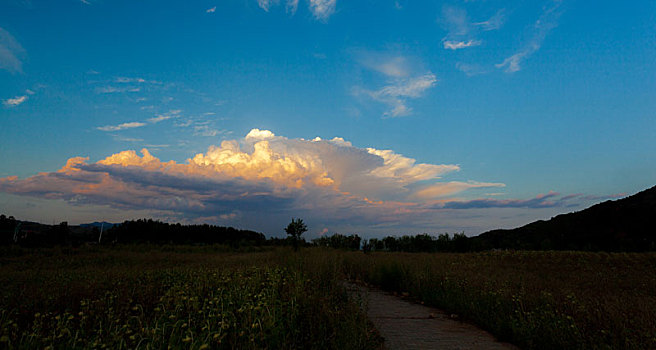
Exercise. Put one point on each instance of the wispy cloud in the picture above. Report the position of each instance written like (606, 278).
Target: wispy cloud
(206, 130)
(551, 199)
(291, 6)
(129, 80)
(322, 9)
(126, 139)
(266, 4)
(547, 21)
(461, 32)
(539, 201)
(455, 20)
(397, 94)
(391, 65)
(11, 53)
(13, 102)
(159, 118)
(123, 126)
(450, 188)
(211, 10)
(470, 69)
(493, 23)
(456, 45)
(111, 89)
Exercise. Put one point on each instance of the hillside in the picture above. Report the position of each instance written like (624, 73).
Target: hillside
(627, 224)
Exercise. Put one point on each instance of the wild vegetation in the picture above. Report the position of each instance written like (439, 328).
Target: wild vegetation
(146, 296)
(161, 297)
(537, 300)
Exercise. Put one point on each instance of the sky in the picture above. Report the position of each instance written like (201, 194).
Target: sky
(368, 117)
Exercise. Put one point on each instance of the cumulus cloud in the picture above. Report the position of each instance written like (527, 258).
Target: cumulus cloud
(260, 173)
(261, 180)
(123, 126)
(548, 20)
(11, 53)
(13, 102)
(397, 94)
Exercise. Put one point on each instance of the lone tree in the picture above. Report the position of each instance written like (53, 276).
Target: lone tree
(295, 229)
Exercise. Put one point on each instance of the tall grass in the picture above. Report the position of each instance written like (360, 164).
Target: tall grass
(537, 300)
(186, 297)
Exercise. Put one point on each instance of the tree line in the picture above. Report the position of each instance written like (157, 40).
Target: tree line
(151, 231)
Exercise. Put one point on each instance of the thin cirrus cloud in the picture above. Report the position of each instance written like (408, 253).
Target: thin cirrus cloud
(470, 69)
(493, 23)
(461, 31)
(320, 9)
(456, 45)
(159, 118)
(131, 125)
(291, 6)
(391, 65)
(548, 21)
(123, 126)
(397, 94)
(549, 200)
(539, 201)
(11, 53)
(260, 173)
(266, 4)
(403, 81)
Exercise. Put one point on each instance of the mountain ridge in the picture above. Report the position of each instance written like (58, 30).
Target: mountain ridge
(627, 224)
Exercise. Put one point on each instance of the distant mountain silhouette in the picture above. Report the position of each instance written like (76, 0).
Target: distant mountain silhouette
(627, 224)
(104, 224)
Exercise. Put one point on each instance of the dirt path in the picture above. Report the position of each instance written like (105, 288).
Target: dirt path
(407, 325)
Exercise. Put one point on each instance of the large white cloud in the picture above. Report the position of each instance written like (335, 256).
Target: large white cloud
(259, 175)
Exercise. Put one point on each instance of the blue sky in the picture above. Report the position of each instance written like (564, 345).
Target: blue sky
(433, 116)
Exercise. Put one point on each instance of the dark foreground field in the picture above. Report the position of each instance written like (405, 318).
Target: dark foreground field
(210, 297)
(180, 297)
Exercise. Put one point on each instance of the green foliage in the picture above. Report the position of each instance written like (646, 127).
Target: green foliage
(537, 300)
(185, 297)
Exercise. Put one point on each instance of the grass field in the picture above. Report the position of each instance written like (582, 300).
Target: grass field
(537, 300)
(212, 297)
(191, 298)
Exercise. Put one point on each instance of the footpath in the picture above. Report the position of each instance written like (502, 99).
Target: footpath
(408, 325)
